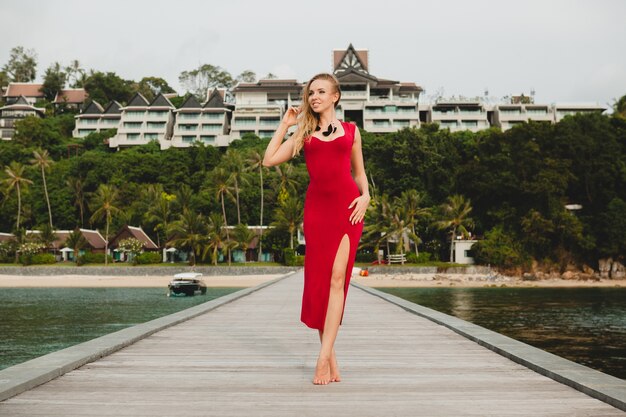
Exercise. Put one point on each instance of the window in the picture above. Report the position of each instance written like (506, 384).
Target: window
(135, 114)
(208, 139)
(189, 138)
(188, 127)
(156, 125)
(132, 136)
(132, 125)
(151, 136)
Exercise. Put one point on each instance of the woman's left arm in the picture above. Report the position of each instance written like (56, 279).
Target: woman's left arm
(358, 170)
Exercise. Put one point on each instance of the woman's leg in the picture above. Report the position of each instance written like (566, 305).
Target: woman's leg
(334, 366)
(333, 313)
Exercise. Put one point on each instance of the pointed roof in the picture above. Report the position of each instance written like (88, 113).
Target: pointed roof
(93, 108)
(216, 100)
(22, 100)
(113, 108)
(191, 103)
(22, 104)
(137, 101)
(130, 231)
(351, 60)
(161, 101)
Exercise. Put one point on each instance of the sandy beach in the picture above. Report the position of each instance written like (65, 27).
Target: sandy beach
(474, 281)
(374, 280)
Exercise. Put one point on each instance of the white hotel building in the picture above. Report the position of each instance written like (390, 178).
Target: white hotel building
(95, 119)
(375, 104)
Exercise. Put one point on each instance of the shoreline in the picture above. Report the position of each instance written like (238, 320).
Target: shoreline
(441, 280)
(111, 281)
(405, 280)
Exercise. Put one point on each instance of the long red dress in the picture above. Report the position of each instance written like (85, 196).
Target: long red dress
(327, 219)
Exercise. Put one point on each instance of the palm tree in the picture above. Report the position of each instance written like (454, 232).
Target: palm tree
(159, 212)
(454, 216)
(411, 202)
(17, 180)
(43, 161)
(233, 163)
(76, 241)
(378, 224)
(288, 216)
(104, 206)
(183, 197)
(217, 236)
(189, 233)
(243, 236)
(285, 176)
(220, 180)
(256, 161)
(76, 185)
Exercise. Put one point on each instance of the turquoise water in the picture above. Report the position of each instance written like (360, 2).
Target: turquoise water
(584, 325)
(37, 321)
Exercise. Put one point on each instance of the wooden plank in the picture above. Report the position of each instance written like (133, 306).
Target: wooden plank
(253, 357)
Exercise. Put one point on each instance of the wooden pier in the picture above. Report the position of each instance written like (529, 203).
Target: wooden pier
(252, 357)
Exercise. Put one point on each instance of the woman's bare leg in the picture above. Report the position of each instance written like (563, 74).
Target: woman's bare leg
(333, 314)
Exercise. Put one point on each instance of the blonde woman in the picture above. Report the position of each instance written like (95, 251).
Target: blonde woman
(334, 207)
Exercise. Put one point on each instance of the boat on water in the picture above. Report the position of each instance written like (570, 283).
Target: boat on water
(187, 284)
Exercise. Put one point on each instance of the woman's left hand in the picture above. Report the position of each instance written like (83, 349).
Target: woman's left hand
(360, 206)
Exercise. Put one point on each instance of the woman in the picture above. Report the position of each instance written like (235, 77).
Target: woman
(334, 208)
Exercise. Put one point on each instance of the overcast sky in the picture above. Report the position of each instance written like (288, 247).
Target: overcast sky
(566, 50)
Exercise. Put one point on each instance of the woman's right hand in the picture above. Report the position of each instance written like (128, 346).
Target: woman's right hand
(291, 116)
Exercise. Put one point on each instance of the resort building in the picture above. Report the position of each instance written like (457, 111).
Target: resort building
(506, 116)
(562, 110)
(375, 104)
(459, 114)
(128, 232)
(260, 106)
(30, 91)
(95, 119)
(142, 122)
(11, 113)
(208, 123)
(71, 98)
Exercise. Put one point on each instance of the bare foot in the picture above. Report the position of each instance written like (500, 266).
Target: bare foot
(334, 369)
(322, 372)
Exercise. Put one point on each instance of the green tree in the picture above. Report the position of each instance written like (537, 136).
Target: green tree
(76, 75)
(455, 216)
(288, 216)
(243, 236)
(76, 186)
(190, 233)
(43, 161)
(199, 80)
(150, 87)
(256, 162)
(246, 76)
(76, 241)
(217, 236)
(220, 181)
(54, 80)
(16, 181)
(104, 205)
(411, 203)
(233, 163)
(22, 65)
(104, 87)
(160, 212)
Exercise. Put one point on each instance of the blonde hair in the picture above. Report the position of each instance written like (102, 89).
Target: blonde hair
(308, 120)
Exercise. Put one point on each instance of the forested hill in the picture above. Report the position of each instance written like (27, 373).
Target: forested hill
(510, 188)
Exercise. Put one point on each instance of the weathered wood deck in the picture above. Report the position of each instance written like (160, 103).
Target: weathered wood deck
(253, 357)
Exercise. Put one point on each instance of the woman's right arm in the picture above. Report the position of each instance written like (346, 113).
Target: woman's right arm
(278, 151)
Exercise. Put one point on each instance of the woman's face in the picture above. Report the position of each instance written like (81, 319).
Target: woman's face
(322, 95)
